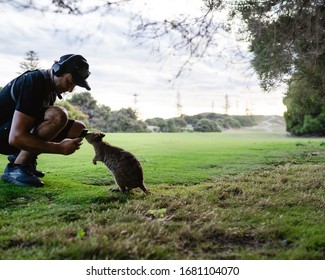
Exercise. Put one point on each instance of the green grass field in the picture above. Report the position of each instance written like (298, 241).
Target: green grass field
(240, 196)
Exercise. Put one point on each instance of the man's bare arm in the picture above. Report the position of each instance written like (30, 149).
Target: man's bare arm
(22, 138)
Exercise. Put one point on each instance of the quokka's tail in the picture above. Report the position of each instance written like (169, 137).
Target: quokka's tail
(143, 188)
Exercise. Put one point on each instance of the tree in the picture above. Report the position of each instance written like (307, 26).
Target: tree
(306, 107)
(180, 122)
(85, 102)
(160, 122)
(72, 7)
(98, 114)
(288, 42)
(31, 61)
(285, 36)
(206, 125)
(100, 117)
(125, 120)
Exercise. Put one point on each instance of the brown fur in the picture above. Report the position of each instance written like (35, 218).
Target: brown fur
(125, 167)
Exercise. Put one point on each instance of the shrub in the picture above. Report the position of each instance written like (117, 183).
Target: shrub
(206, 125)
(230, 122)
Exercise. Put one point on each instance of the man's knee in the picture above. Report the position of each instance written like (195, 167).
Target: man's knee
(55, 118)
(76, 129)
(71, 130)
(56, 114)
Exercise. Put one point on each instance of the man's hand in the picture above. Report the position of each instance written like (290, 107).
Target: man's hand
(69, 146)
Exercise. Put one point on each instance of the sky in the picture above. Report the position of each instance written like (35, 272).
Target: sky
(125, 73)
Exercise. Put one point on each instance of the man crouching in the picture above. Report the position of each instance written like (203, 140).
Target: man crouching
(30, 124)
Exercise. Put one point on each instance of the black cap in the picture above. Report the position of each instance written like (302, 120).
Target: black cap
(78, 66)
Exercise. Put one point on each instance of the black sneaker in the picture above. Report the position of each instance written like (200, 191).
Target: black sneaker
(33, 165)
(20, 175)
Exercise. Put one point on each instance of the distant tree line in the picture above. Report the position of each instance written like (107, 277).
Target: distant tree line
(84, 107)
(205, 122)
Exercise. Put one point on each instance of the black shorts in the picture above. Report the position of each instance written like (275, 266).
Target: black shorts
(6, 149)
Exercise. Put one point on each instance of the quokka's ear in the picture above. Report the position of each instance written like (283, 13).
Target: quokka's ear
(102, 135)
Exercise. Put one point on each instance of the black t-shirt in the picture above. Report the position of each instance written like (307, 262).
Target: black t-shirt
(32, 91)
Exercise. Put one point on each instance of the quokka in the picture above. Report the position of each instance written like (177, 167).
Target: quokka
(125, 167)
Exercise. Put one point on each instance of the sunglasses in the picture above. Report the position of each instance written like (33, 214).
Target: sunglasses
(84, 73)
